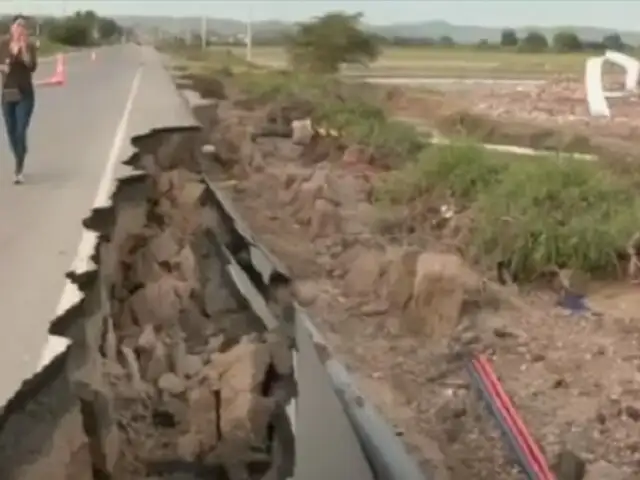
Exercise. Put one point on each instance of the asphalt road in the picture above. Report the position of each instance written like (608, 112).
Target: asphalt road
(76, 134)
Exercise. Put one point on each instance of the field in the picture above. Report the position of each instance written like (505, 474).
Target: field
(413, 255)
(445, 62)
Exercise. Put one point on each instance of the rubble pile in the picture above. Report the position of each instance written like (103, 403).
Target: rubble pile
(197, 381)
(557, 102)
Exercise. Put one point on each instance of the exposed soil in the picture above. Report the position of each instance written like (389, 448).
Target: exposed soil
(552, 116)
(199, 385)
(405, 311)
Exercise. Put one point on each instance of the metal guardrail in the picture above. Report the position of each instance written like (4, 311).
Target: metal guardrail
(384, 451)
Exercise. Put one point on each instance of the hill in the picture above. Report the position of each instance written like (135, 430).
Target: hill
(435, 29)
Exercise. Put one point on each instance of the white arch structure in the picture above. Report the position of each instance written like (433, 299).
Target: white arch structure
(596, 95)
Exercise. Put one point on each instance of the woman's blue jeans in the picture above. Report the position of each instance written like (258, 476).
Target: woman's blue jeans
(17, 116)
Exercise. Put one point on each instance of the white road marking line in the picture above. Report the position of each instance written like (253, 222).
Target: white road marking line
(70, 293)
(292, 408)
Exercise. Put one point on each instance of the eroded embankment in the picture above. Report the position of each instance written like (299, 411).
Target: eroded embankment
(171, 373)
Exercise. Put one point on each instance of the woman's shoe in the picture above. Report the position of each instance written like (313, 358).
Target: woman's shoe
(19, 179)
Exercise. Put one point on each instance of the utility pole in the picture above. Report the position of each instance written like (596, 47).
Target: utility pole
(203, 33)
(249, 35)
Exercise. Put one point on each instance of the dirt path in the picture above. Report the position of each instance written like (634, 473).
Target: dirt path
(404, 315)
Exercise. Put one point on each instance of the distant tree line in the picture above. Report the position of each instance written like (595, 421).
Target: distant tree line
(561, 42)
(335, 30)
(531, 42)
(81, 29)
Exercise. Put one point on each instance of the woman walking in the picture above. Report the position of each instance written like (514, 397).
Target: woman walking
(18, 61)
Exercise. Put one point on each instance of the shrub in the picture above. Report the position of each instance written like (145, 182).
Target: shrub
(533, 212)
(546, 213)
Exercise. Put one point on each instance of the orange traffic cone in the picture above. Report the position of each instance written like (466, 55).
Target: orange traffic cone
(60, 76)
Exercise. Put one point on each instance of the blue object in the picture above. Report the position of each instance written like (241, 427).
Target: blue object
(573, 302)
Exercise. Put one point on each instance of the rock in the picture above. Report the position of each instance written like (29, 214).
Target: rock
(302, 195)
(400, 277)
(359, 220)
(145, 269)
(157, 363)
(306, 292)
(192, 366)
(347, 190)
(132, 368)
(214, 343)
(569, 466)
(110, 341)
(325, 219)
(202, 420)
(632, 412)
(379, 307)
(171, 383)
(188, 447)
(208, 149)
(159, 303)
(185, 266)
(364, 273)
(245, 417)
(190, 193)
(164, 246)
(243, 368)
(302, 131)
(147, 339)
(178, 354)
(442, 284)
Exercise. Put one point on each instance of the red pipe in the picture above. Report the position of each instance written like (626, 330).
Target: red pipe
(516, 424)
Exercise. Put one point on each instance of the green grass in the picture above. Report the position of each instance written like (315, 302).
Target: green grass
(533, 212)
(437, 61)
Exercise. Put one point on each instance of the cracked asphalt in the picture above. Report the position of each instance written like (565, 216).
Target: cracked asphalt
(71, 137)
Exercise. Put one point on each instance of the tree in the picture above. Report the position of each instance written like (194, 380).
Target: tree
(613, 41)
(565, 42)
(82, 29)
(108, 29)
(509, 38)
(325, 43)
(534, 42)
(446, 41)
(72, 32)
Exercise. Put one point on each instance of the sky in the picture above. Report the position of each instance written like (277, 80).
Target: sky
(614, 14)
